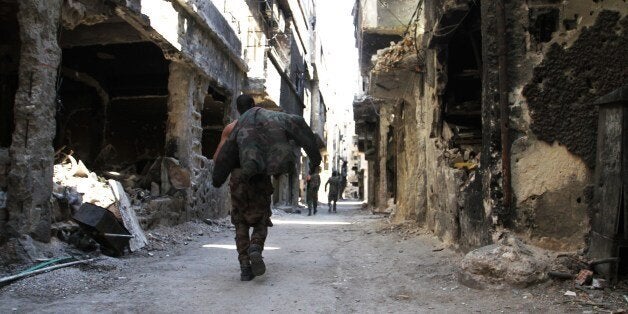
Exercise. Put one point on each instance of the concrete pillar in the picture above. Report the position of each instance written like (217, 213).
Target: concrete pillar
(382, 157)
(31, 151)
(187, 90)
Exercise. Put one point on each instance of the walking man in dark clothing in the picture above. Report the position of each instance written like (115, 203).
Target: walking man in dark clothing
(250, 207)
(334, 189)
(251, 149)
(313, 183)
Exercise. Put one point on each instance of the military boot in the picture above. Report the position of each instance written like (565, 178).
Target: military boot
(246, 274)
(257, 261)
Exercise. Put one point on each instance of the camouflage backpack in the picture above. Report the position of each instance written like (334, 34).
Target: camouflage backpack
(260, 144)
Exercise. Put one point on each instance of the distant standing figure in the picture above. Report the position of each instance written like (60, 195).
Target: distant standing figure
(343, 183)
(334, 189)
(313, 183)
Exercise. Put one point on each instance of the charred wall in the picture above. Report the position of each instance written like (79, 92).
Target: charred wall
(560, 58)
(570, 78)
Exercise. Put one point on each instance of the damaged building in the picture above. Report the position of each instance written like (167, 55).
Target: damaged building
(482, 117)
(138, 92)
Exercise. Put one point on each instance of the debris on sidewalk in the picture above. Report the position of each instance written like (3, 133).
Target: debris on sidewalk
(8, 279)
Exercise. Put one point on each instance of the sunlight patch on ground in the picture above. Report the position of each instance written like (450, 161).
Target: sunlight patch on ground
(233, 247)
(308, 222)
(350, 202)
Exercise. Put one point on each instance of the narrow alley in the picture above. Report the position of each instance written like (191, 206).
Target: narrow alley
(478, 151)
(349, 262)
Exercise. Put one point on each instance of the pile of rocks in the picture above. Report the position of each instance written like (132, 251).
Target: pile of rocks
(396, 56)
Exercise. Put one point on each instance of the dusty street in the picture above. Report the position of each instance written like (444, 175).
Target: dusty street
(345, 262)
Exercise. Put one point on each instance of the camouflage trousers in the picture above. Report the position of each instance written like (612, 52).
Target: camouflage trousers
(250, 209)
(312, 198)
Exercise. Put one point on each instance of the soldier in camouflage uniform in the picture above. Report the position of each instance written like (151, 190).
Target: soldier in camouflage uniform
(334, 189)
(313, 183)
(251, 149)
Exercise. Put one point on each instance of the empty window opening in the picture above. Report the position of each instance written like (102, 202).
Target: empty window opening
(212, 121)
(543, 23)
(462, 100)
(9, 64)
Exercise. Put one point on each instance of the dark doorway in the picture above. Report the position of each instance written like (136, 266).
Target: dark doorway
(213, 120)
(463, 95)
(113, 96)
(9, 65)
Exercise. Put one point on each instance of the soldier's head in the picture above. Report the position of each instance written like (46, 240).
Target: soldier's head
(334, 173)
(244, 102)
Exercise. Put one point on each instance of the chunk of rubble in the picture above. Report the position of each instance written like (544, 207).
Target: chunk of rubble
(510, 262)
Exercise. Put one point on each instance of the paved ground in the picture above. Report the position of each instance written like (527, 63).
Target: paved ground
(345, 262)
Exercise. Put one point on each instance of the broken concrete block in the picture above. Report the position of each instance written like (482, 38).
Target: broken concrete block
(510, 262)
(81, 170)
(178, 176)
(584, 277)
(129, 218)
(467, 155)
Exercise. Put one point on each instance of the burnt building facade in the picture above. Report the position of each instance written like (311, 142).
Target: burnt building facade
(480, 119)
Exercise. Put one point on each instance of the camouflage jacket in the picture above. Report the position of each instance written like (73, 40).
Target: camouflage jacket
(335, 183)
(260, 144)
(314, 183)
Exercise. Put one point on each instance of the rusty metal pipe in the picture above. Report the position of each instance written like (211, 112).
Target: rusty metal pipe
(504, 112)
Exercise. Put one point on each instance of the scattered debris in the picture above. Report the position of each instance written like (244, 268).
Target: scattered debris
(402, 297)
(570, 293)
(401, 54)
(600, 284)
(6, 280)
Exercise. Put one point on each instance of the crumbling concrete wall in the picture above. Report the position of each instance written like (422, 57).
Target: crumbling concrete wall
(410, 190)
(386, 116)
(207, 52)
(187, 89)
(555, 76)
(31, 152)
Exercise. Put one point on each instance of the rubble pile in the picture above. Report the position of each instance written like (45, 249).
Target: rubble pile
(93, 212)
(463, 157)
(510, 262)
(394, 56)
(74, 183)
